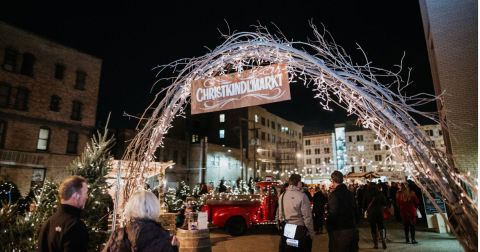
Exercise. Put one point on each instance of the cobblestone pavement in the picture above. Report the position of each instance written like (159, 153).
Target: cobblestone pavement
(263, 239)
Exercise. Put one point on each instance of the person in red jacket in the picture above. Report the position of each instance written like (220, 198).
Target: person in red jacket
(408, 202)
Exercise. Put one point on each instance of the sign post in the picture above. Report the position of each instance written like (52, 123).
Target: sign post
(433, 217)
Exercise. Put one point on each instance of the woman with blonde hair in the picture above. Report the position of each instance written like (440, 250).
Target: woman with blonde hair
(407, 203)
(142, 231)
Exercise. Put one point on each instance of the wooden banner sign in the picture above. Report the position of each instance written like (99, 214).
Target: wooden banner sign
(257, 86)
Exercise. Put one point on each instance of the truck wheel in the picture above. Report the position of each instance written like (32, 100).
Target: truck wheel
(236, 226)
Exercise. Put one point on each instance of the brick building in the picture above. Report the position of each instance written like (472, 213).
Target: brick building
(48, 103)
(451, 34)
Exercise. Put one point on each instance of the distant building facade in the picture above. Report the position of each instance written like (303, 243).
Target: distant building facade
(271, 145)
(48, 104)
(357, 150)
(451, 35)
(319, 156)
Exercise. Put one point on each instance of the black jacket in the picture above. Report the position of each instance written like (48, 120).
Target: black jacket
(378, 202)
(140, 235)
(64, 231)
(341, 209)
(319, 201)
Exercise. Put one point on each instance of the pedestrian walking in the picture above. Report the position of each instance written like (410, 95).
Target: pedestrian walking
(408, 202)
(341, 217)
(318, 211)
(64, 230)
(143, 232)
(374, 202)
(294, 209)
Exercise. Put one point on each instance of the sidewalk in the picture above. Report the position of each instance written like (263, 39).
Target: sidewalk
(262, 239)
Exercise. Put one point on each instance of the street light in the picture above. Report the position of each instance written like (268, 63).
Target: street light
(254, 148)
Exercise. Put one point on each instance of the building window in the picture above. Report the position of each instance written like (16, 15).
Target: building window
(429, 132)
(318, 160)
(268, 123)
(184, 158)
(10, 60)
(80, 80)
(221, 133)
(378, 157)
(3, 132)
(21, 99)
(308, 152)
(221, 118)
(279, 127)
(360, 148)
(27, 64)
(273, 125)
(300, 136)
(256, 118)
(5, 90)
(72, 142)
(43, 138)
(263, 121)
(175, 155)
(363, 168)
(440, 132)
(317, 151)
(350, 138)
(263, 135)
(59, 71)
(268, 137)
(307, 142)
(359, 138)
(376, 147)
(55, 103)
(309, 161)
(76, 111)
(194, 138)
(326, 150)
(165, 155)
(327, 160)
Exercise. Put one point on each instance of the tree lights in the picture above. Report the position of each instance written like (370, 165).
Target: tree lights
(324, 67)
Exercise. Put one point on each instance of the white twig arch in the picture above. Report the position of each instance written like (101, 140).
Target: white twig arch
(334, 78)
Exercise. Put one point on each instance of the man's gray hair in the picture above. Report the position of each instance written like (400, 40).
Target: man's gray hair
(142, 205)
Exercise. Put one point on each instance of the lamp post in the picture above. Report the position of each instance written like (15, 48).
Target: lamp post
(254, 150)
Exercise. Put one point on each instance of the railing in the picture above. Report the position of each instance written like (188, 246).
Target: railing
(20, 158)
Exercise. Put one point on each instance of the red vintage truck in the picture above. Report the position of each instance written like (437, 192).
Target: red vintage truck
(237, 213)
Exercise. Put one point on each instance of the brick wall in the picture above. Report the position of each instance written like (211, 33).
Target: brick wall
(22, 126)
(451, 36)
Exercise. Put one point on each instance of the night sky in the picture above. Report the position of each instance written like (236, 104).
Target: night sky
(132, 40)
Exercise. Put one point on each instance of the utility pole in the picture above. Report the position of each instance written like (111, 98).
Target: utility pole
(254, 144)
(241, 152)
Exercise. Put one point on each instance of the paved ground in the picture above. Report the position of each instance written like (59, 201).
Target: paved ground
(263, 239)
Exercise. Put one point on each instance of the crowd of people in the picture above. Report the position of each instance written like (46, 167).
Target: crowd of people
(339, 209)
(336, 209)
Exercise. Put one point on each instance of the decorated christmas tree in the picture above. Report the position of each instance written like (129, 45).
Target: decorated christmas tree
(94, 165)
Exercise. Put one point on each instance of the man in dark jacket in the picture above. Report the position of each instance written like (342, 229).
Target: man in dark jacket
(318, 211)
(64, 230)
(341, 217)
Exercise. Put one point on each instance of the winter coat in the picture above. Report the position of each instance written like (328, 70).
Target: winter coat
(341, 209)
(296, 208)
(64, 231)
(375, 212)
(408, 207)
(140, 235)
(319, 201)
